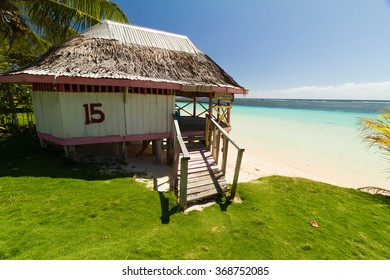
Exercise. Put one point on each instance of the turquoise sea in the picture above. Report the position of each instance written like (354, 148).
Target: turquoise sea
(318, 139)
(315, 139)
(354, 106)
(336, 112)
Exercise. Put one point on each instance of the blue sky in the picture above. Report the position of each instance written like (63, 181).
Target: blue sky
(285, 48)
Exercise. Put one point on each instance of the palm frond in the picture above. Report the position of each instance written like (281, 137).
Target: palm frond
(377, 131)
(60, 19)
(30, 27)
(12, 23)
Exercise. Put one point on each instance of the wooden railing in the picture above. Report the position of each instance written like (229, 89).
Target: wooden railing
(222, 114)
(180, 147)
(182, 108)
(213, 135)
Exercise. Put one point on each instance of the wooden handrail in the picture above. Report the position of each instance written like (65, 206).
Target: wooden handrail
(179, 146)
(213, 136)
(179, 138)
(235, 144)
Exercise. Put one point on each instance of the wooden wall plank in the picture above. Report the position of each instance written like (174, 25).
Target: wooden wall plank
(65, 114)
(48, 114)
(149, 113)
(74, 114)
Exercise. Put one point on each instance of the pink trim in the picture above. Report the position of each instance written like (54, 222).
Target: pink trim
(101, 139)
(29, 78)
(152, 136)
(80, 140)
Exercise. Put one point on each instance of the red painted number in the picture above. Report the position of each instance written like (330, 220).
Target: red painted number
(93, 115)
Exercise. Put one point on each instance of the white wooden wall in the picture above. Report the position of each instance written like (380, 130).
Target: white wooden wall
(63, 114)
(146, 114)
(47, 112)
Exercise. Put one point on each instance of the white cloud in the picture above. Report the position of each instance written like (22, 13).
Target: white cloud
(349, 91)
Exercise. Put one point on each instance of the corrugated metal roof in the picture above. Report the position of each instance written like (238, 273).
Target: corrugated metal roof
(132, 34)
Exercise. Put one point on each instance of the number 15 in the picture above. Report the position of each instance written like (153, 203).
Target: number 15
(90, 110)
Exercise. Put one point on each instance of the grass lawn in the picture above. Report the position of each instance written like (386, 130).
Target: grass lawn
(53, 208)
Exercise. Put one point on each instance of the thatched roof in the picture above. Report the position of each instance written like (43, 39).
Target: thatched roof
(126, 53)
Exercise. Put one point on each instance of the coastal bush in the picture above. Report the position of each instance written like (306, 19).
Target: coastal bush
(16, 112)
(377, 131)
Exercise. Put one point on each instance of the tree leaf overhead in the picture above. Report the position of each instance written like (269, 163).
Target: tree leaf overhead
(28, 28)
(377, 131)
(59, 19)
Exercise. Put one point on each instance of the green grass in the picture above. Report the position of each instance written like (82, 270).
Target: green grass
(53, 208)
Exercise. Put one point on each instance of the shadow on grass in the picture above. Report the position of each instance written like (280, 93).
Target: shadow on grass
(223, 202)
(166, 212)
(23, 156)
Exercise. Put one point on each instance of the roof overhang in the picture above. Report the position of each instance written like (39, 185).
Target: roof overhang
(51, 79)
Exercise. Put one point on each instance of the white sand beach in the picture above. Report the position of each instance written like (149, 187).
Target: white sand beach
(323, 152)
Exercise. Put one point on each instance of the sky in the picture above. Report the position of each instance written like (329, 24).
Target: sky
(322, 49)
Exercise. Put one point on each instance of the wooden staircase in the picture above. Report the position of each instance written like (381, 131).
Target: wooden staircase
(204, 178)
(196, 173)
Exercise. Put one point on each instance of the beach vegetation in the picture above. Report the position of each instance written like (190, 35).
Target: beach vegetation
(54, 208)
(16, 112)
(29, 28)
(42, 23)
(377, 131)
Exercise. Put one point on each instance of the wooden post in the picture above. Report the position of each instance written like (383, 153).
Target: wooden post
(194, 109)
(236, 172)
(124, 152)
(66, 150)
(170, 151)
(180, 147)
(154, 148)
(219, 111)
(217, 145)
(125, 93)
(43, 143)
(183, 182)
(225, 154)
(157, 144)
(228, 113)
(207, 133)
(70, 152)
(213, 141)
(210, 105)
(176, 156)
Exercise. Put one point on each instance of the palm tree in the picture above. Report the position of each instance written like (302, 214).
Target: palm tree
(30, 27)
(34, 25)
(377, 131)
(56, 20)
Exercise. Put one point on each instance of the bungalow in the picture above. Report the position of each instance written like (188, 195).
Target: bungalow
(117, 83)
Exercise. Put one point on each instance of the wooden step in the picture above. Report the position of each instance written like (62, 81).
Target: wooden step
(204, 177)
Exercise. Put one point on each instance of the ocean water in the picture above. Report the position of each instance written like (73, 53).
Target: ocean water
(342, 113)
(353, 106)
(321, 140)
(315, 139)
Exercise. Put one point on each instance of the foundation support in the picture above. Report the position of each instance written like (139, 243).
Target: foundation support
(124, 152)
(70, 152)
(43, 143)
(158, 150)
